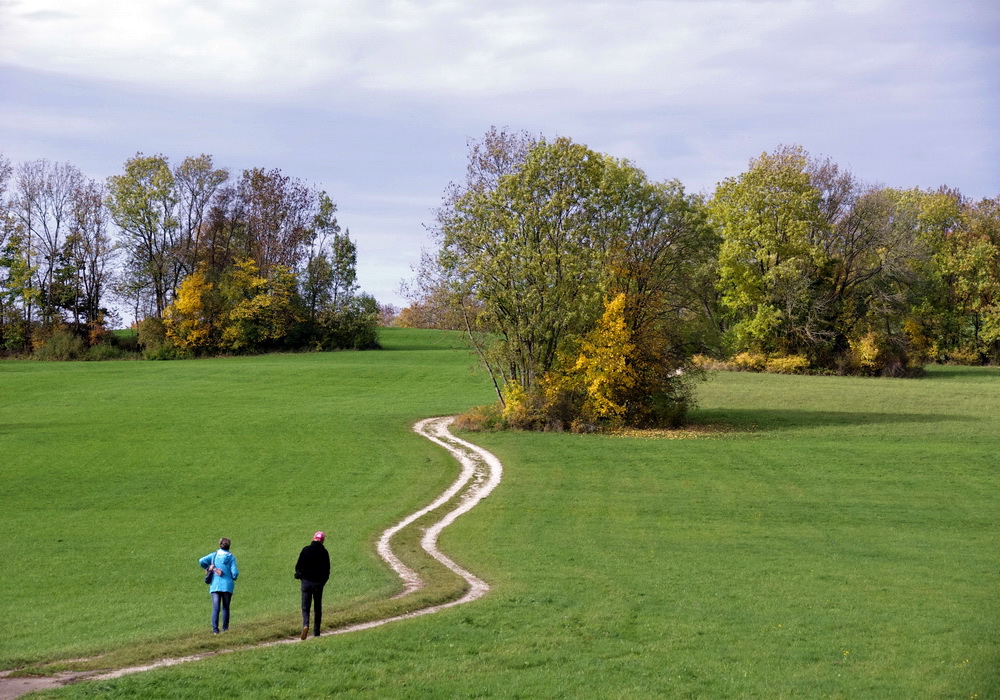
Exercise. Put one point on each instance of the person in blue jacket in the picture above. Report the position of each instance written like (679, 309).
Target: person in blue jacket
(223, 563)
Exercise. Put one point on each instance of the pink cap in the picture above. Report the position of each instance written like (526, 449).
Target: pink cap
(319, 536)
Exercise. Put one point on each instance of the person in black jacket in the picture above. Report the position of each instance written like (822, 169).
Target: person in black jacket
(313, 570)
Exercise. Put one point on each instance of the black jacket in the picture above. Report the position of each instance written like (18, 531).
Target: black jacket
(313, 564)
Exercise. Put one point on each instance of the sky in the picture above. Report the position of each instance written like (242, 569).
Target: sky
(375, 101)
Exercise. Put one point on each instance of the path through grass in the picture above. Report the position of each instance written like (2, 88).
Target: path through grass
(118, 476)
(840, 543)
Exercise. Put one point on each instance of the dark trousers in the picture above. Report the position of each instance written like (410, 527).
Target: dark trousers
(312, 596)
(223, 599)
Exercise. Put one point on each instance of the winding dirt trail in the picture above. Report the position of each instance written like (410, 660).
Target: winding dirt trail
(481, 473)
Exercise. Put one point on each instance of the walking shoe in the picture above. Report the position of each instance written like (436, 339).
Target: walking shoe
(305, 632)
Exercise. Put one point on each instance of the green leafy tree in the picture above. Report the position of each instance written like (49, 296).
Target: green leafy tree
(539, 248)
(813, 262)
(143, 204)
(529, 250)
(768, 218)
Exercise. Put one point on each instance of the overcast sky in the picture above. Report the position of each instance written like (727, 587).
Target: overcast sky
(374, 100)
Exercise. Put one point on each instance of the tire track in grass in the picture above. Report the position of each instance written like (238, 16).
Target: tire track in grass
(481, 473)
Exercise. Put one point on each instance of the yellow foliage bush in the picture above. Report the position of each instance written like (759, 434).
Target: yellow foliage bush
(749, 361)
(865, 352)
(787, 364)
(603, 363)
(516, 406)
(921, 345)
(706, 362)
(966, 357)
(186, 321)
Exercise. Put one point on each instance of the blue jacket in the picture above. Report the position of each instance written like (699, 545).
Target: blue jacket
(226, 582)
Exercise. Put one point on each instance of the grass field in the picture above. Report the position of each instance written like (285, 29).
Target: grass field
(839, 542)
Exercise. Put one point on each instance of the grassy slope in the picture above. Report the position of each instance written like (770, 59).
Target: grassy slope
(842, 545)
(118, 476)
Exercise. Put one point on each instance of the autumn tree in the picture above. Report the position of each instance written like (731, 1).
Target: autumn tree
(143, 203)
(16, 273)
(814, 262)
(192, 321)
(541, 248)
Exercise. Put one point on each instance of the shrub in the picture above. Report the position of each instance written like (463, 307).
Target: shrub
(874, 355)
(519, 409)
(125, 340)
(962, 356)
(704, 362)
(482, 419)
(150, 331)
(787, 364)
(352, 326)
(153, 341)
(188, 322)
(749, 362)
(106, 351)
(61, 345)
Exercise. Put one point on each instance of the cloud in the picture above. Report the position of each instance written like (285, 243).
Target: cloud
(664, 82)
(638, 50)
(43, 122)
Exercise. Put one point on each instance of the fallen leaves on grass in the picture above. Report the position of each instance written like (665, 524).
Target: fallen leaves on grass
(688, 432)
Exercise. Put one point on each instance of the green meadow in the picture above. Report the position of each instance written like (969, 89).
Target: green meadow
(828, 537)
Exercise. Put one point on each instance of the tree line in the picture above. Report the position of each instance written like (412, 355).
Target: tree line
(593, 295)
(207, 262)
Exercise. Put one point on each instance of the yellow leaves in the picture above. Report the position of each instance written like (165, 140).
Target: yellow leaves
(865, 351)
(187, 321)
(603, 362)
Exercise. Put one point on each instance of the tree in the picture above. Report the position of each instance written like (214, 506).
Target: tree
(261, 312)
(44, 207)
(191, 321)
(537, 251)
(438, 299)
(814, 262)
(528, 250)
(344, 268)
(196, 182)
(143, 204)
(963, 309)
(604, 365)
(768, 218)
(330, 273)
(91, 251)
(16, 272)
(278, 214)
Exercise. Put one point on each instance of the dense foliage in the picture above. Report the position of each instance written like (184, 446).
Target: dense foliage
(587, 289)
(206, 264)
(856, 278)
(568, 267)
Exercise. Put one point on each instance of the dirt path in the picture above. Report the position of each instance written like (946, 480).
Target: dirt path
(481, 472)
